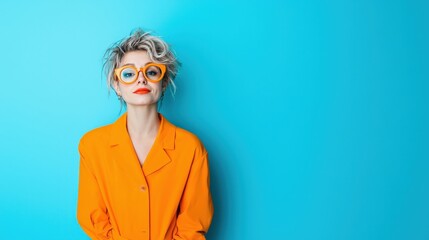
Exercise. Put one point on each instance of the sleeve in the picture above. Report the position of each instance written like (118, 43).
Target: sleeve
(196, 206)
(92, 213)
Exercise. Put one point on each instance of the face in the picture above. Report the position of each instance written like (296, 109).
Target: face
(141, 92)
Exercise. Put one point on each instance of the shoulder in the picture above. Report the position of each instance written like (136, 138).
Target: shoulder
(96, 137)
(187, 136)
(189, 141)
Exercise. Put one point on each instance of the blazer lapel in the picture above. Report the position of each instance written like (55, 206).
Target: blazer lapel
(158, 157)
(122, 151)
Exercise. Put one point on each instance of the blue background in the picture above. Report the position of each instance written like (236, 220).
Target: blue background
(315, 113)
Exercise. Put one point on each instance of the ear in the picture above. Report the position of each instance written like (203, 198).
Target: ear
(164, 84)
(117, 89)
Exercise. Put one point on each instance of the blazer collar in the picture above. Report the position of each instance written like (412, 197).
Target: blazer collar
(122, 149)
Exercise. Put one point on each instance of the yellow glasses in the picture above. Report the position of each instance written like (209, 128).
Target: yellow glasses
(128, 74)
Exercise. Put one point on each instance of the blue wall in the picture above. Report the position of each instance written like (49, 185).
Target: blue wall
(315, 114)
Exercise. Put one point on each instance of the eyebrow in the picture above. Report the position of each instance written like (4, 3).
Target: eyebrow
(130, 64)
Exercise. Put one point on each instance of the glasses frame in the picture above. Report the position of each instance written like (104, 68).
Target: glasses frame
(138, 70)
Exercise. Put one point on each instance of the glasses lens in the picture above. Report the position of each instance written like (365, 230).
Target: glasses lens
(128, 74)
(153, 73)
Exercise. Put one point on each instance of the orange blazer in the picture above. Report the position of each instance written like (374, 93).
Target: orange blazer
(168, 198)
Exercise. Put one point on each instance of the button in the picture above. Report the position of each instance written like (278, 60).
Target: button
(143, 188)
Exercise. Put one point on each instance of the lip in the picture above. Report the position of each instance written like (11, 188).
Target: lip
(141, 91)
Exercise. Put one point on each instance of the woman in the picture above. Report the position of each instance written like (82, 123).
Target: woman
(142, 177)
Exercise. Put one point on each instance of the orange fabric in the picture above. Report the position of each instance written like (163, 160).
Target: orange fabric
(168, 198)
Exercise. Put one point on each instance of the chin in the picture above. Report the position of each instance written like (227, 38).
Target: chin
(142, 103)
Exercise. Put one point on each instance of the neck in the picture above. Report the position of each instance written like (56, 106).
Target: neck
(142, 121)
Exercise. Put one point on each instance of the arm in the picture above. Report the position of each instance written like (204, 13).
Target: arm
(196, 206)
(91, 211)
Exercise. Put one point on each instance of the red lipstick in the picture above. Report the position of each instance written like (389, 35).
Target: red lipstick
(141, 91)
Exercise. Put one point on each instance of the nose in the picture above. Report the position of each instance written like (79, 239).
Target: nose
(141, 78)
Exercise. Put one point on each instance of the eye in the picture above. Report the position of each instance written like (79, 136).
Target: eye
(128, 73)
(152, 73)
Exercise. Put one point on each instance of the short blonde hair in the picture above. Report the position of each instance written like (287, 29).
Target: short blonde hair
(157, 49)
